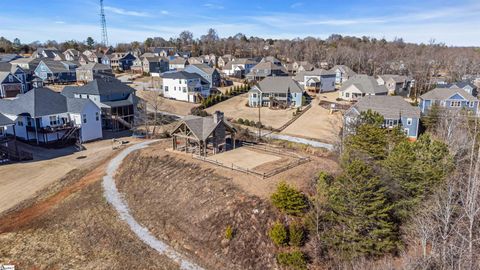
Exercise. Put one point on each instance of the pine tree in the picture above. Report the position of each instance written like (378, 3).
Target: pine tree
(369, 141)
(430, 120)
(289, 200)
(361, 217)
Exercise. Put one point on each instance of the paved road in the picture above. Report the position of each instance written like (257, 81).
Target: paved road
(113, 196)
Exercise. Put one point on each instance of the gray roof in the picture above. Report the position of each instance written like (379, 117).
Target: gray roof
(395, 78)
(76, 105)
(390, 107)
(8, 67)
(5, 121)
(202, 127)
(366, 84)
(36, 102)
(7, 57)
(178, 61)
(446, 93)
(180, 75)
(4, 75)
(101, 86)
(94, 66)
(344, 69)
(205, 68)
(320, 72)
(58, 66)
(279, 85)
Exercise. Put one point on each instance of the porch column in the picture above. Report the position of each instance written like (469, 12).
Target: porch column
(36, 130)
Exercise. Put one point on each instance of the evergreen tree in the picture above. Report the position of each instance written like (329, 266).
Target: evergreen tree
(430, 120)
(369, 141)
(416, 169)
(289, 200)
(361, 214)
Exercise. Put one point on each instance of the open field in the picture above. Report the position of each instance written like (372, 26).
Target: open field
(317, 123)
(235, 108)
(73, 228)
(20, 181)
(169, 105)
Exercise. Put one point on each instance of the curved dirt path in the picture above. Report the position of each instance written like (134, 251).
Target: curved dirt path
(115, 199)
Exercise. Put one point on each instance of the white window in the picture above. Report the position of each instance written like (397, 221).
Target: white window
(406, 131)
(347, 95)
(53, 121)
(166, 88)
(472, 104)
(97, 116)
(455, 103)
(409, 121)
(84, 118)
(174, 88)
(184, 89)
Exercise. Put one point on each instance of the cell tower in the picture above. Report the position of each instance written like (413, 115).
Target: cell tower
(103, 25)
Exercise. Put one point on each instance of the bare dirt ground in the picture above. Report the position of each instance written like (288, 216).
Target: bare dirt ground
(69, 225)
(317, 123)
(245, 158)
(170, 105)
(235, 108)
(20, 181)
(224, 89)
(189, 206)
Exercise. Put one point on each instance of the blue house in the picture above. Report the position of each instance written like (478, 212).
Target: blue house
(271, 92)
(394, 109)
(56, 71)
(450, 98)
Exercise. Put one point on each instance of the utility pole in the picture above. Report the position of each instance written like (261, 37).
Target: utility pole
(103, 23)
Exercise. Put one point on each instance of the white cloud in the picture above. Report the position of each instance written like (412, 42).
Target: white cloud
(296, 5)
(60, 22)
(164, 12)
(213, 6)
(122, 11)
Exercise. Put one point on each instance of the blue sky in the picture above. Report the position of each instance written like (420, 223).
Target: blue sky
(452, 22)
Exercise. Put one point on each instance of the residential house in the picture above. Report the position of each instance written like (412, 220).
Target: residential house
(137, 66)
(223, 60)
(280, 92)
(155, 65)
(468, 86)
(395, 110)
(185, 55)
(239, 67)
(198, 60)
(71, 55)
(176, 63)
(184, 86)
(8, 57)
(397, 85)
(10, 85)
(56, 71)
(266, 69)
(119, 61)
(91, 71)
(317, 80)
(93, 56)
(164, 51)
(51, 53)
(44, 116)
(359, 86)
(299, 66)
(27, 64)
(343, 74)
(449, 98)
(200, 134)
(271, 59)
(208, 73)
(18, 72)
(116, 100)
(5, 123)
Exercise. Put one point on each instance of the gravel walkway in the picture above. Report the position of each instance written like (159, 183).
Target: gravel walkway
(115, 199)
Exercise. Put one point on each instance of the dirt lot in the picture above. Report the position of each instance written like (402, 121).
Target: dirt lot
(235, 108)
(73, 229)
(170, 105)
(245, 158)
(19, 181)
(317, 123)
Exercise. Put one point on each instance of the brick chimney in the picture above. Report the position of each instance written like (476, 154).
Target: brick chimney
(217, 117)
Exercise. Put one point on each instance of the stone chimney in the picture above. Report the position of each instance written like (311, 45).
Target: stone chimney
(217, 117)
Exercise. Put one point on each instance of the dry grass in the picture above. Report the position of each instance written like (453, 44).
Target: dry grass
(79, 232)
(190, 206)
(170, 105)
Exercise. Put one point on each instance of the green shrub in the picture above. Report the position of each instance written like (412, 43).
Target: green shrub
(278, 234)
(258, 124)
(229, 232)
(296, 235)
(289, 200)
(240, 121)
(294, 260)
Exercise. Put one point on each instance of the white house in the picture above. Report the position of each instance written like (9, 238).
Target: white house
(185, 86)
(176, 63)
(317, 80)
(359, 86)
(44, 116)
(239, 67)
